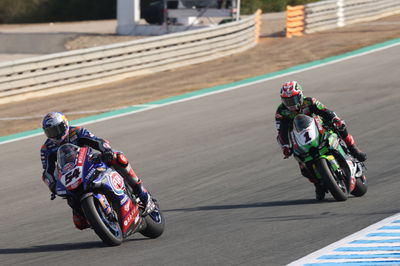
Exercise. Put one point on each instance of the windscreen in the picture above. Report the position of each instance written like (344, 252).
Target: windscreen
(66, 157)
(302, 122)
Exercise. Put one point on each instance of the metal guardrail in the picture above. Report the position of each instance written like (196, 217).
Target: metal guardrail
(72, 70)
(331, 14)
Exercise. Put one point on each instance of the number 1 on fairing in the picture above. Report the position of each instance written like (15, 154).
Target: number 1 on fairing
(307, 137)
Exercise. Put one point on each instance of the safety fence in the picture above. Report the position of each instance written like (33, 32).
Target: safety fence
(61, 72)
(329, 14)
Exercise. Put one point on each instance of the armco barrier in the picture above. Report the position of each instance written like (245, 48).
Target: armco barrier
(329, 14)
(72, 70)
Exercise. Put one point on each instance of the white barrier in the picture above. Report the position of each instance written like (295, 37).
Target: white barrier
(66, 71)
(330, 14)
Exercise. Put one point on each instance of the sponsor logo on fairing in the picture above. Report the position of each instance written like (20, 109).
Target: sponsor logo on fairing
(124, 199)
(127, 207)
(129, 219)
(136, 219)
(81, 156)
(91, 172)
(68, 167)
(129, 212)
(117, 183)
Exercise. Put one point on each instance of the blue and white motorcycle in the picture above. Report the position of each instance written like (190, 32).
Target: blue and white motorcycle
(108, 203)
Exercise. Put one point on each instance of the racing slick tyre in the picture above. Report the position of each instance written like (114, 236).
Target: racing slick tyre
(361, 187)
(335, 186)
(155, 224)
(107, 228)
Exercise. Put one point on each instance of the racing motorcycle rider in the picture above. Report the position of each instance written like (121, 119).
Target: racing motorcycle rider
(293, 103)
(55, 126)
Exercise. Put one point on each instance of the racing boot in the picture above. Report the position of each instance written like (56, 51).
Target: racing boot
(306, 173)
(79, 220)
(125, 169)
(78, 217)
(319, 189)
(141, 192)
(354, 150)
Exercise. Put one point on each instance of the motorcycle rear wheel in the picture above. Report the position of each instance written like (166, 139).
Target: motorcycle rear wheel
(95, 215)
(361, 187)
(155, 223)
(336, 187)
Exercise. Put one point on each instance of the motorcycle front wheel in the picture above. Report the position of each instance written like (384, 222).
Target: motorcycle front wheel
(335, 186)
(107, 228)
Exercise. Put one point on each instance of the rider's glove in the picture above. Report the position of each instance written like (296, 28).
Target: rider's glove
(50, 181)
(287, 151)
(107, 156)
(338, 123)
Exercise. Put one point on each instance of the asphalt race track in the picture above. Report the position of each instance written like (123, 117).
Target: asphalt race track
(228, 196)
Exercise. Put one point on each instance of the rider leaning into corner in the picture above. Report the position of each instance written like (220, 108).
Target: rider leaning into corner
(293, 103)
(55, 126)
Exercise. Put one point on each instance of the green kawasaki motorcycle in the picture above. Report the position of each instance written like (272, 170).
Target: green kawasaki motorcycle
(326, 157)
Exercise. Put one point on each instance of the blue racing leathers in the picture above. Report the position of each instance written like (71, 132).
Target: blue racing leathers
(78, 136)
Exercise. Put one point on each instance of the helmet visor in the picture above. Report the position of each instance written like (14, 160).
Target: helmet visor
(55, 132)
(291, 101)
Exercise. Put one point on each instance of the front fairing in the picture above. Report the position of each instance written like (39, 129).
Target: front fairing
(305, 138)
(315, 141)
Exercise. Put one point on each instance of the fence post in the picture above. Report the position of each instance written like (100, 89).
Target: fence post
(340, 13)
(257, 27)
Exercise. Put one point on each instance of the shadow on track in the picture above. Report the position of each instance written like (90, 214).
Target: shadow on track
(53, 247)
(250, 205)
(63, 247)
